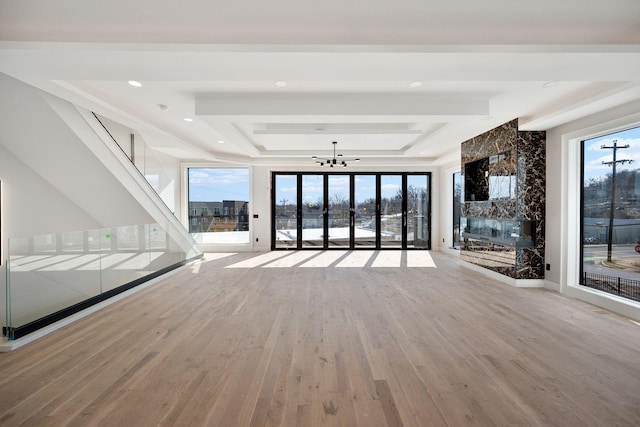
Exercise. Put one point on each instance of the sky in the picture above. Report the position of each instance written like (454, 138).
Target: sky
(594, 155)
(312, 187)
(365, 187)
(215, 184)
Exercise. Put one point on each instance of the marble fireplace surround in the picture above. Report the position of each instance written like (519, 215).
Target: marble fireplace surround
(511, 153)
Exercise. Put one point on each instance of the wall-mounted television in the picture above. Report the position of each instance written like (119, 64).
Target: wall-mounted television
(476, 182)
(489, 178)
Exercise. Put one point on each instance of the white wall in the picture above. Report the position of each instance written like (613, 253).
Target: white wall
(563, 199)
(31, 205)
(261, 205)
(160, 169)
(446, 208)
(555, 193)
(34, 132)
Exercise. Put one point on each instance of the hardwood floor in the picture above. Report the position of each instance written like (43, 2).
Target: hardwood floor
(243, 340)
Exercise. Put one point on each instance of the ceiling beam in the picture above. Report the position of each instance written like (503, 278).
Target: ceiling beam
(361, 104)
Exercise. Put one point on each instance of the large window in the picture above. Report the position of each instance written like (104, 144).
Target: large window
(219, 204)
(345, 210)
(611, 213)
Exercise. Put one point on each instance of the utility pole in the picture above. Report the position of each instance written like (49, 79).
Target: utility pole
(615, 147)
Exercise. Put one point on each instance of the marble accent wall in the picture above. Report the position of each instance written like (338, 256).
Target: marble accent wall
(516, 159)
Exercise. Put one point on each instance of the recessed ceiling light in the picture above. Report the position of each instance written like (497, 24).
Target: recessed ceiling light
(280, 83)
(134, 83)
(550, 84)
(220, 141)
(188, 119)
(415, 84)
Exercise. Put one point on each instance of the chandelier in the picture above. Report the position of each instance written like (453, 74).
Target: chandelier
(337, 160)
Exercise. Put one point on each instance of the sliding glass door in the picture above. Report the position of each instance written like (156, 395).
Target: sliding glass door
(418, 203)
(349, 211)
(339, 211)
(364, 201)
(392, 219)
(313, 211)
(285, 211)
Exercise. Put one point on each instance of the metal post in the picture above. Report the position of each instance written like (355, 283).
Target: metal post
(618, 285)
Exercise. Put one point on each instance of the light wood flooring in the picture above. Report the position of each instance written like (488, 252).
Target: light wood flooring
(249, 340)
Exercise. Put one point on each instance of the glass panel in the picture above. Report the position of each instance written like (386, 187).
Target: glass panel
(339, 203)
(391, 210)
(146, 160)
(365, 210)
(73, 241)
(153, 171)
(52, 272)
(312, 210)
(418, 211)
(8, 318)
(500, 231)
(286, 207)
(611, 214)
(124, 256)
(457, 208)
(219, 205)
(44, 280)
(44, 243)
(162, 249)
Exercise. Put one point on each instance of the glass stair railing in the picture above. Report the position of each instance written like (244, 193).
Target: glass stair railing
(133, 145)
(53, 276)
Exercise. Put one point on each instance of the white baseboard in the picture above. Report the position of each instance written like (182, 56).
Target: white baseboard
(614, 303)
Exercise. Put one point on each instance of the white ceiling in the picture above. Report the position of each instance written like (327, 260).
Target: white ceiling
(348, 68)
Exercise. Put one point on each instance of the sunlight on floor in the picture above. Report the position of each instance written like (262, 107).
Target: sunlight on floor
(213, 256)
(356, 259)
(325, 259)
(90, 260)
(334, 258)
(291, 260)
(388, 259)
(420, 259)
(210, 256)
(257, 260)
